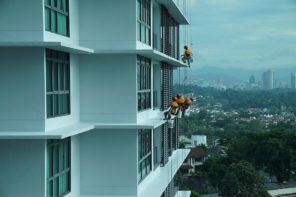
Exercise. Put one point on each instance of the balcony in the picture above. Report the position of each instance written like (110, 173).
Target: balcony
(183, 193)
(157, 182)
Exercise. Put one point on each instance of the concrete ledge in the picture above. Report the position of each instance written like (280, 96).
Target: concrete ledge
(54, 134)
(149, 53)
(183, 194)
(67, 47)
(79, 128)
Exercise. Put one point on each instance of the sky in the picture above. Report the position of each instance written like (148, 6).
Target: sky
(247, 34)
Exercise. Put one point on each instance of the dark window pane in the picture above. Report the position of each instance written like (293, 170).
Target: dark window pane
(55, 187)
(54, 3)
(139, 31)
(55, 77)
(55, 105)
(48, 76)
(49, 161)
(138, 9)
(62, 24)
(143, 33)
(61, 77)
(60, 5)
(47, 19)
(67, 77)
(55, 159)
(47, 2)
(49, 105)
(67, 103)
(53, 21)
(61, 103)
(50, 189)
(65, 6)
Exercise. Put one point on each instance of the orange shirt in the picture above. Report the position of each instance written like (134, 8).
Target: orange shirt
(187, 52)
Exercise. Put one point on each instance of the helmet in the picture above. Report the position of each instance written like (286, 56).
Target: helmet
(174, 104)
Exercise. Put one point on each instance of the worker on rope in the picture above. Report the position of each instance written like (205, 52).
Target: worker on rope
(180, 102)
(187, 103)
(187, 56)
(171, 111)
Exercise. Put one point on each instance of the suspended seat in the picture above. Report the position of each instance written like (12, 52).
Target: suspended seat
(171, 123)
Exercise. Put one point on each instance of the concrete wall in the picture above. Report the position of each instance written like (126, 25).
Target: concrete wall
(22, 87)
(74, 117)
(108, 24)
(21, 20)
(22, 168)
(109, 163)
(108, 88)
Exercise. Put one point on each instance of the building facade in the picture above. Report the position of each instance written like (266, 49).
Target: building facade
(293, 80)
(268, 80)
(84, 84)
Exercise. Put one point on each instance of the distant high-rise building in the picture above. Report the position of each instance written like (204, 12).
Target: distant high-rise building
(293, 80)
(252, 79)
(268, 80)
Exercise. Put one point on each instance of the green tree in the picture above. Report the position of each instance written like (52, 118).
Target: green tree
(242, 180)
(195, 194)
(215, 168)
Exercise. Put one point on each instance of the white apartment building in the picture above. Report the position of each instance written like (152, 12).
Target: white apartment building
(83, 86)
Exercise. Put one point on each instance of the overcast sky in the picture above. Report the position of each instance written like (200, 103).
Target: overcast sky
(244, 33)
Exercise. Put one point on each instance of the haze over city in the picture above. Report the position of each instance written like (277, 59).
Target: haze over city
(253, 34)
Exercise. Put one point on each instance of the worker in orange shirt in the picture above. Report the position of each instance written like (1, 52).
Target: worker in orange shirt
(181, 102)
(172, 111)
(187, 56)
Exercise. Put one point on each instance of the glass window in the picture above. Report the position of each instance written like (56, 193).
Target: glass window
(58, 167)
(144, 153)
(57, 16)
(144, 83)
(156, 86)
(144, 21)
(169, 34)
(57, 83)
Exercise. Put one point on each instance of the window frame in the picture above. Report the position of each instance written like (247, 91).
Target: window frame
(54, 9)
(57, 92)
(54, 162)
(144, 21)
(144, 153)
(144, 83)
